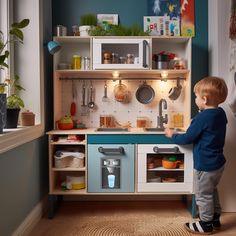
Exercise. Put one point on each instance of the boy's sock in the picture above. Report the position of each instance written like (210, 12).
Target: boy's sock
(200, 227)
(216, 221)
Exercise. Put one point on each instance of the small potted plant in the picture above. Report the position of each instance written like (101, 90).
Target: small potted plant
(2, 107)
(14, 102)
(15, 35)
(86, 23)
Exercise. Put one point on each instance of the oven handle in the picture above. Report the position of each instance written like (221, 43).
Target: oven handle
(160, 150)
(119, 150)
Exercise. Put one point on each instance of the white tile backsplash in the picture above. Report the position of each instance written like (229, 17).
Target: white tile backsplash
(122, 112)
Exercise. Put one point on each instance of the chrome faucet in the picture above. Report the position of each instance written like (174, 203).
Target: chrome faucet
(160, 119)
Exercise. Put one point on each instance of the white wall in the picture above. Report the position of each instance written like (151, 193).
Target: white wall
(219, 54)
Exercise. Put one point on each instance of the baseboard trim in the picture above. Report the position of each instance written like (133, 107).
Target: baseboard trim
(32, 219)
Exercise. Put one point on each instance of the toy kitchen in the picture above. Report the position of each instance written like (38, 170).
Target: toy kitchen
(114, 111)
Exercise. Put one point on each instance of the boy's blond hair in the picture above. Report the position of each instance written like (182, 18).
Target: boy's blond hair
(213, 88)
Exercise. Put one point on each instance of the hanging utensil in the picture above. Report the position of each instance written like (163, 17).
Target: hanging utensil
(105, 98)
(73, 104)
(84, 107)
(175, 92)
(120, 92)
(91, 104)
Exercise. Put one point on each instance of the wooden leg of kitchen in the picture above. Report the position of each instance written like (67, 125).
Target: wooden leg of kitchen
(54, 202)
(190, 204)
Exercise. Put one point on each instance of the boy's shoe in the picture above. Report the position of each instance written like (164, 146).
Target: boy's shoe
(199, 227)
(216, 222)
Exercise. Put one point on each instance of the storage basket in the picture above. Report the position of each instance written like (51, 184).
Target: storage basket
(64, 159)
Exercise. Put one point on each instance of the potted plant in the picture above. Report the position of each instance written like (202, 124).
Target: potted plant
(2, 107)
(15, 35)
(14, 102)
(86, 23)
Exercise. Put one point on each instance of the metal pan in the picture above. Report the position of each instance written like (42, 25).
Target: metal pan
(145, 93)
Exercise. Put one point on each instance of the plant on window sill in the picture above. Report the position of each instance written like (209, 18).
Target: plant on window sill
(13, 102)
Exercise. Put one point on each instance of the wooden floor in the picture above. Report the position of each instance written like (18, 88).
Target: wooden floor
(72, 217)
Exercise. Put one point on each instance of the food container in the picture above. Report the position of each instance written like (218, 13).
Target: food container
(75, 182)
(27, 118)
(106, 121)
(170, 163)
(107, 58)
(60, 30)
(162, 61)
(169, 180)
(76, 62)
(141, 122)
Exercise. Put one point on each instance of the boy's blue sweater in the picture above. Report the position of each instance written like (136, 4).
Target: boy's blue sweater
(207, 134)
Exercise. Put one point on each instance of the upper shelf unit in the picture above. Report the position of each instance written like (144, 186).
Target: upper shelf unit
(128, 57)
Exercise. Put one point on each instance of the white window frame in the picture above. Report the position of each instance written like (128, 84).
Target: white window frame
(33, 42)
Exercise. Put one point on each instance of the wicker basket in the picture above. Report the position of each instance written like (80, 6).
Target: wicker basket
(69, 159)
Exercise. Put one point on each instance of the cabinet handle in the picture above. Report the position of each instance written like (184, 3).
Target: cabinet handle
(119, 150)
(145, 45)
(160, 150)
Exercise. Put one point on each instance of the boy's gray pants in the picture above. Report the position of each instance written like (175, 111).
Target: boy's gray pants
(206, 194)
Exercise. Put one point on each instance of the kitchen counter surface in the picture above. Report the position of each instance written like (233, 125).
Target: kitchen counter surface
(94, 131)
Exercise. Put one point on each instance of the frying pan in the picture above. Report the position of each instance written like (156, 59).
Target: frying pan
(145, 93)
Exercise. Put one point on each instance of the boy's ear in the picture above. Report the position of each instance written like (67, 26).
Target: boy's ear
(205, 100)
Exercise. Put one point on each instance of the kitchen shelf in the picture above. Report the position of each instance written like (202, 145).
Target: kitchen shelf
(59, 191)
(123, 74)
(68, 143)
(164, 169)
(69, 169)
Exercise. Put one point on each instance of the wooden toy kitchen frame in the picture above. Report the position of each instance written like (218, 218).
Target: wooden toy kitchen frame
(132, 158)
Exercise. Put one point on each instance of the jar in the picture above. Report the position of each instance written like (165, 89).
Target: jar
(106, 121)
(75, 30)
(122, 60)
(114, 58)
(130, 58)
(162, 61)
(86, 63)
(141, 122)
(107, 58)
(76, 62)
(27, 118)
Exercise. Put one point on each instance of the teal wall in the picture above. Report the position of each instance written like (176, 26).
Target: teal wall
(24, 170)
(131, 12)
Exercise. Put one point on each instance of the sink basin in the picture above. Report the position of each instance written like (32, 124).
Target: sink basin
(154, 129)
(113, 129)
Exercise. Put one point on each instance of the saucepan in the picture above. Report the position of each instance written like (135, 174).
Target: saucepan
(145, 93)
(175, 92)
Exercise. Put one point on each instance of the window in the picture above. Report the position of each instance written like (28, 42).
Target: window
(27, 63)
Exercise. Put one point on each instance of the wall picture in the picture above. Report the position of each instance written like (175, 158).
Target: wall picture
(187, 18)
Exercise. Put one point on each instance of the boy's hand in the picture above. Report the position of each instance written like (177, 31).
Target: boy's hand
(169, 132)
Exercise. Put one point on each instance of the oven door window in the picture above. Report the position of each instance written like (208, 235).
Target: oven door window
(165, 168)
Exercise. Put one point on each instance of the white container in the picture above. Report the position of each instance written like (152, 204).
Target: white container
(84, 30)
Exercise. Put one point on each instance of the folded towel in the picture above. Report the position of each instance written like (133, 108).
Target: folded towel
(232, 93)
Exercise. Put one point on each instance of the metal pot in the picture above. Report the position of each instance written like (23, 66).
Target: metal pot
(145, 93)
(175, 92)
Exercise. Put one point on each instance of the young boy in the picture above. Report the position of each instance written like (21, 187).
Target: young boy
(207, 134)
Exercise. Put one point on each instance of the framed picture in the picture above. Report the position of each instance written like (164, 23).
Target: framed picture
(111, 19)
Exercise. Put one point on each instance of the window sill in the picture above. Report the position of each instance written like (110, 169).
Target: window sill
(12, 138)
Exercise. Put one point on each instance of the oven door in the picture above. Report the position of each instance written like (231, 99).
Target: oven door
(165, 168)
(110, 168)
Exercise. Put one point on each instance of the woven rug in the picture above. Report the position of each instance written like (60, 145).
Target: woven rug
(167, 226)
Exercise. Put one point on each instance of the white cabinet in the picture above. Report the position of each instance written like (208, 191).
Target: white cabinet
(156, 176)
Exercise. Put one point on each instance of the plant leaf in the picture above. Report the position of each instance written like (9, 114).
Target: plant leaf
(17, 33)
(21, 24)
